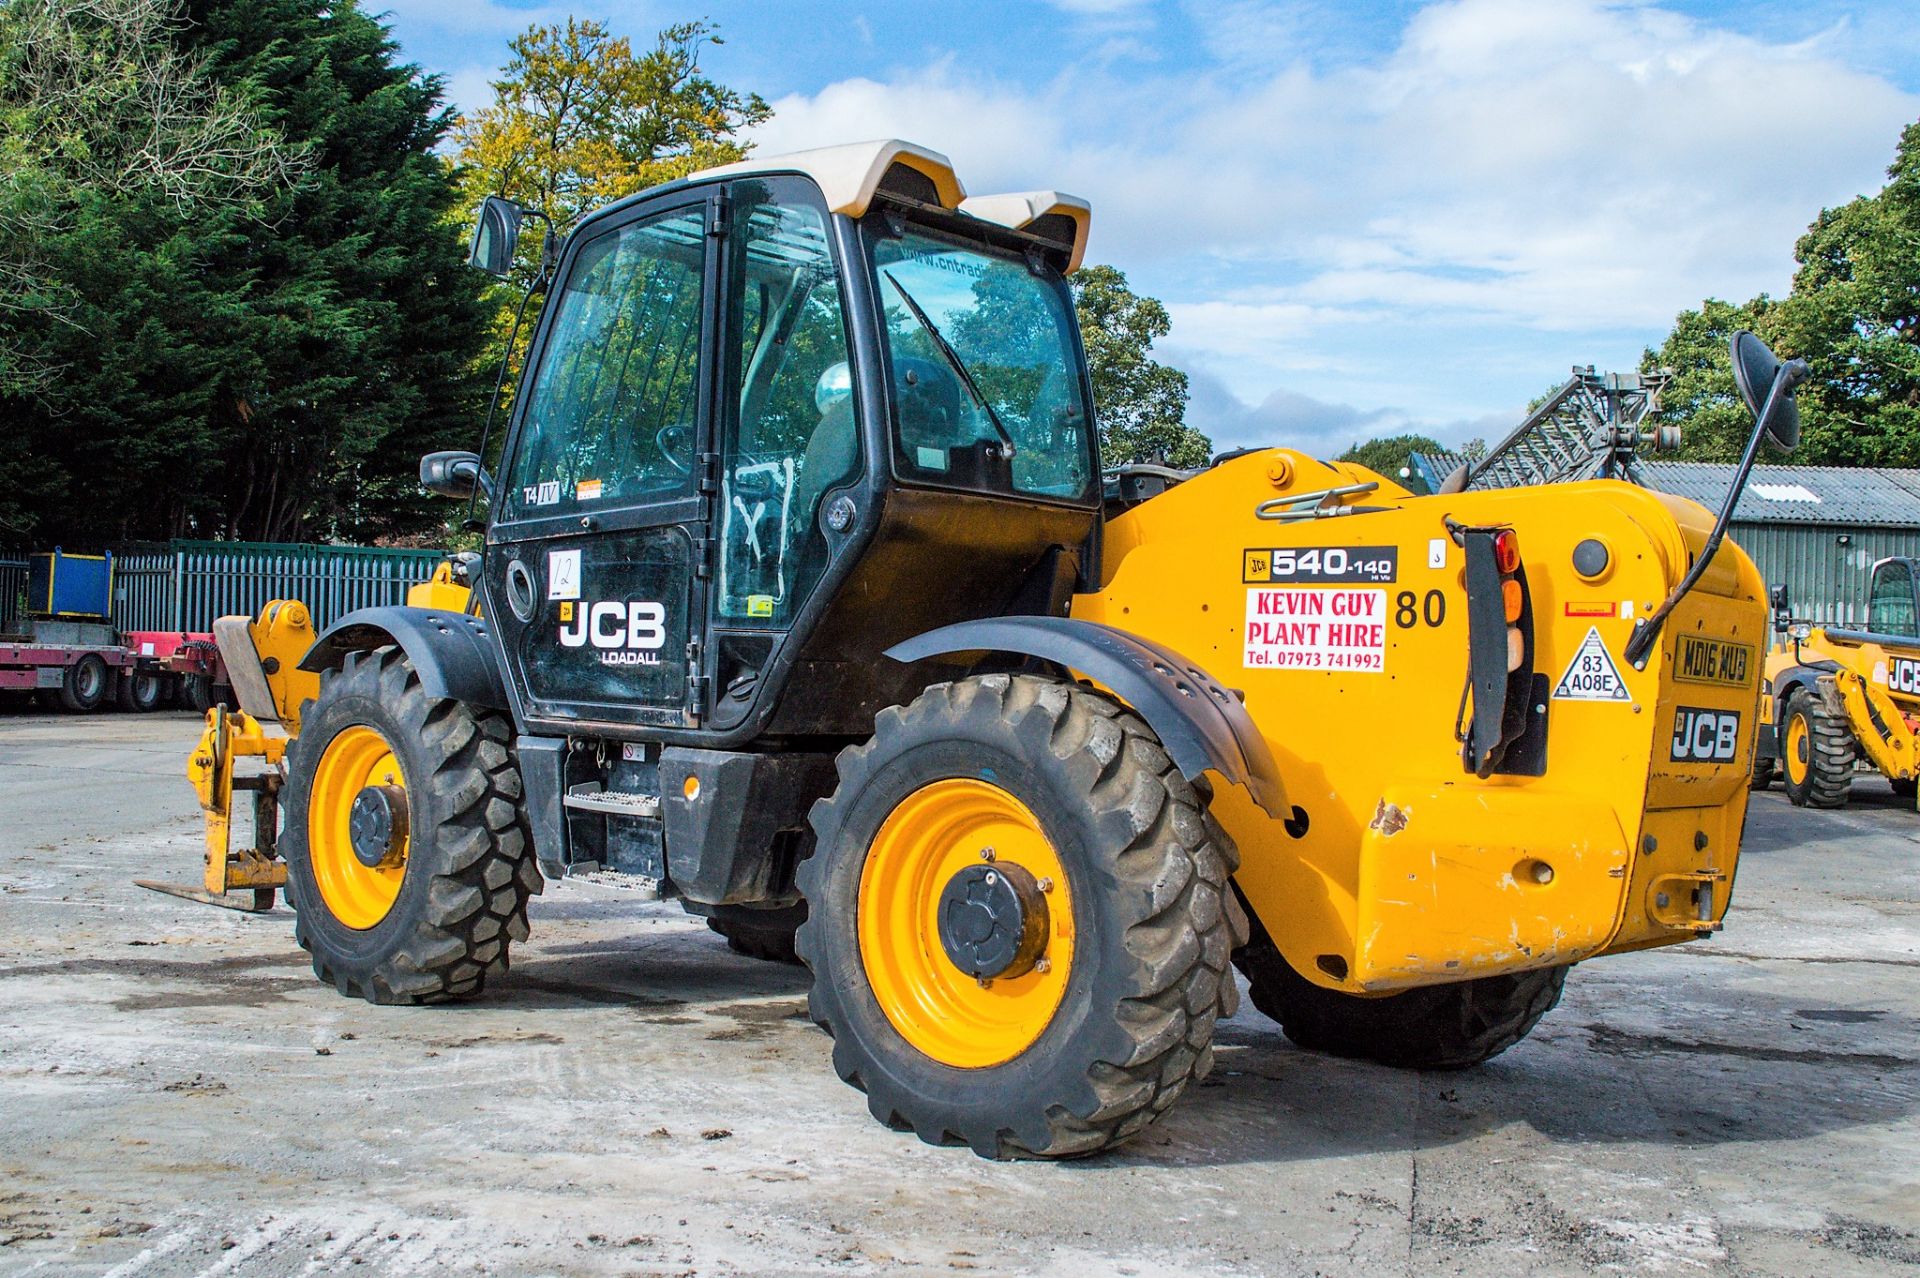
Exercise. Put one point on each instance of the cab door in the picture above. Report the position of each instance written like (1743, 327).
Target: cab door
(596, 554)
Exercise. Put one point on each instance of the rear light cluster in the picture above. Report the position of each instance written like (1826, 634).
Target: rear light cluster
(1513, 598)
(1494, 736)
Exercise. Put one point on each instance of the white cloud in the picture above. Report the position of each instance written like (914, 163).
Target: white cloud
(1318, 427)
(1545, 165)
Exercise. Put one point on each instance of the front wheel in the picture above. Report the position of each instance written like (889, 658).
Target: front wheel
(1451, 1026)
(409, 863)
(1816, 751)
(1016, 919)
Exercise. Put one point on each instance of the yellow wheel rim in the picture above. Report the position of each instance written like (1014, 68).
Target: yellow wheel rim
(357, 894)
(1799, 749)
(936, 832)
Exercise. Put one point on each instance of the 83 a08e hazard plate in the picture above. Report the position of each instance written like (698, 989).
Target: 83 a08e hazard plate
(1591, 675)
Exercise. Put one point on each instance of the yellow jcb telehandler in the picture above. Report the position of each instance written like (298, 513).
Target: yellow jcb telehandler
(805, 601)
(1836, 697)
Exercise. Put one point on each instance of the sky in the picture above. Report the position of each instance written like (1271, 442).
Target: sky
(1364, 218)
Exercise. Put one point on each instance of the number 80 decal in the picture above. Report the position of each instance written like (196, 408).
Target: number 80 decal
(1410, 610)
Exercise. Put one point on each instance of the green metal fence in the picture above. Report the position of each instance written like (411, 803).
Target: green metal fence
(13, 592)
(185, 585)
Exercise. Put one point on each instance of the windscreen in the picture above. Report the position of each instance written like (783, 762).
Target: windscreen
(986, 370)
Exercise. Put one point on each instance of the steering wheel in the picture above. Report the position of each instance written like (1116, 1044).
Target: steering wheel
(675, 442)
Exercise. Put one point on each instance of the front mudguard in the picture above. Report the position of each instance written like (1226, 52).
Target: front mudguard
(455, 654)
(1202, 724)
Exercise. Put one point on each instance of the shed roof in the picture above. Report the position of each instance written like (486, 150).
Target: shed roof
(1829, 495)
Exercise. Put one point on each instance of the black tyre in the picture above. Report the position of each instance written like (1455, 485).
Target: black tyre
(1817, 753)
(1016, 919)
(757, 933)
(1765, 767)
(138, 691)
(85, 685)
(409, 863)
(1905, 787)
(1435, 1027)
(196, 693)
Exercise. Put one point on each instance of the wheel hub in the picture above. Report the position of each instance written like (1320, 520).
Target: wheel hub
(993, 921)
(377, 825)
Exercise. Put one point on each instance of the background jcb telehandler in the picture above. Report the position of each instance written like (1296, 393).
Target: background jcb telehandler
(1834, 697)
(802, 597)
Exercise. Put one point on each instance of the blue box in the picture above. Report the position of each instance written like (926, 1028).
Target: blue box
(64, 585)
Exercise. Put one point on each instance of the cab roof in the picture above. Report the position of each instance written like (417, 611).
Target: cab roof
(850, 176)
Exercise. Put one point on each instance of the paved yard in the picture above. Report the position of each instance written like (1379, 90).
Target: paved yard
(178, 1096)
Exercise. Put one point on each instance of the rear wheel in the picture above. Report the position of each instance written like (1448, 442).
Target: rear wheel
(1450, 1026)
(408, 859)
(138, 691)
(1816, 751)
(196, 693)
(84, 686)
(1764, 767)
(760, 933)
(1016, 921)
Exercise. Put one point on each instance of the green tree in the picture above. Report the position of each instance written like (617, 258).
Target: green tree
(1390, 454)
(1141, 404)
(271, 372)
(1853, 314)
(1701, 398)
(110, 136)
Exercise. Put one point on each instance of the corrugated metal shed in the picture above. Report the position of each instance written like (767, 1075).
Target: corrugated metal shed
(1817, 529)
(1832, 495)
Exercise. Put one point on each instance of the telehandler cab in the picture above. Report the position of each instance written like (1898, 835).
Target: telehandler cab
(804, 600)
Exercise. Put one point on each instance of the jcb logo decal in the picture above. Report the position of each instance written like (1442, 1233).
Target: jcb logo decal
(1903, 675)
(1712, 661)
(1704, 736)
(627, 634)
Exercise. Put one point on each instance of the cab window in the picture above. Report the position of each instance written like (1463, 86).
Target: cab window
(1890, 608)
(610, 412)
(792, 432)
(985, 366)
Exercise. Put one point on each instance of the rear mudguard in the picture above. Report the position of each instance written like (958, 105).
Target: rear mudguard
(454, 653)
(1202, 724)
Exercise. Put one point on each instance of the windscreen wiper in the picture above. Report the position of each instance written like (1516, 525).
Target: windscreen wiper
(952, 357)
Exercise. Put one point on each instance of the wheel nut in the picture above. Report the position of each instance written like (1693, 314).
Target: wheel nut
(1043, 964)
(986, 982)
(1542, 872)
(986, 854)
(1046, 885)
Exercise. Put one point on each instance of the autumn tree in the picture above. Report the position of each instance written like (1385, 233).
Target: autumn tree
(1141, 404)
(578, 119)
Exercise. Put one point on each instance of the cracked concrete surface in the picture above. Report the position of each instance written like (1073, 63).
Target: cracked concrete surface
(178, 1096)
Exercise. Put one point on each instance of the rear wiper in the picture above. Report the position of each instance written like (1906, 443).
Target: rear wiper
(953, 361)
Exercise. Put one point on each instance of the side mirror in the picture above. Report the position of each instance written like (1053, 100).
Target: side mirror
(1755, 369)
(496, 233)
(1782, 615)
(454, 474)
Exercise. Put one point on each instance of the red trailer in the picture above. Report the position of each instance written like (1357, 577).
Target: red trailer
(68, 653)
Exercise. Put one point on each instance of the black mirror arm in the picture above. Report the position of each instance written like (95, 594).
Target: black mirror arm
(1790, 375)
(500, 381)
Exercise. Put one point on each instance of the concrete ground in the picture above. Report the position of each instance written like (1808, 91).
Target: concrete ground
(178, 1095)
